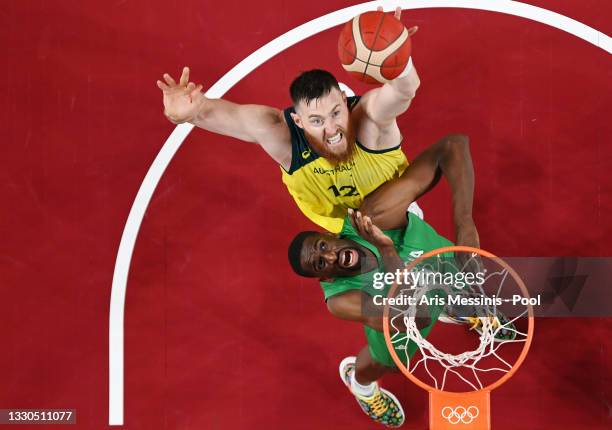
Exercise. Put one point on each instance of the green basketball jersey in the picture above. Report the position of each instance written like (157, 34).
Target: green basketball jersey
(411, 242)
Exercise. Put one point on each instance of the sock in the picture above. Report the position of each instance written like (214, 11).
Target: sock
(361, 390)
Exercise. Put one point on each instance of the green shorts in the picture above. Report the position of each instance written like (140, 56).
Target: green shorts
(378, 347)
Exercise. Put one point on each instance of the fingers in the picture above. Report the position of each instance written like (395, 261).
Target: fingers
(363, 224)
(169, 80)
(412, 30)
(162, 86)
(184, 77)
(470, 263)
(351, 214)
(398, 12)
(196, 95)
(356, 220)
(195, 91)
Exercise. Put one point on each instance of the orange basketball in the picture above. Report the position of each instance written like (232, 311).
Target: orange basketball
(374, 47)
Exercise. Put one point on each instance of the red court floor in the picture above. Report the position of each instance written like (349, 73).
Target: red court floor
(220, 334)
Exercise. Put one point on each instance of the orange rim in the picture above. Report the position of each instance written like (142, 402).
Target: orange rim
(516, 278)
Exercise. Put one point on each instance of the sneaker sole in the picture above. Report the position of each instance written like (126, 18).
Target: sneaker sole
(343, 364)
(399, 406)
(352, 360)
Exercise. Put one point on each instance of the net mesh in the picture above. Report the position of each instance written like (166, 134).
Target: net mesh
(491, 323)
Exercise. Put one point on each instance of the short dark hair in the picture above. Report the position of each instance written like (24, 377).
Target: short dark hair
(312, 85)
(295, 252)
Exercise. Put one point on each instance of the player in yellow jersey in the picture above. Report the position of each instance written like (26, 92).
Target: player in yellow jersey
(332, 150)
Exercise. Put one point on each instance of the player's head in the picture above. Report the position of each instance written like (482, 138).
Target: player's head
(323, 255)
(322, 113)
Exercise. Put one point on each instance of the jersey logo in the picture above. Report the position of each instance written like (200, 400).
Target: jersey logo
(416, 254)
(306, 153)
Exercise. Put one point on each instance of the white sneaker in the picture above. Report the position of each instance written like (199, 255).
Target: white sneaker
(382, 406)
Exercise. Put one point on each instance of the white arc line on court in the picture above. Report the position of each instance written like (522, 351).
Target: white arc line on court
(246, 66)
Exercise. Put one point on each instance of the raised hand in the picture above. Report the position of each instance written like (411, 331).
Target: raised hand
(182, 101)
(398, 14)
(369, 231)
(467, 234)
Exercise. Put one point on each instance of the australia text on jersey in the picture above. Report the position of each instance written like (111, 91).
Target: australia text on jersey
(346, 167)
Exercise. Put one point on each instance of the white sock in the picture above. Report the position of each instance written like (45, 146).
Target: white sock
(361, 390)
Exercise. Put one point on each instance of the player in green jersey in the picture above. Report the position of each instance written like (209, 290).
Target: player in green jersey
(383, 235)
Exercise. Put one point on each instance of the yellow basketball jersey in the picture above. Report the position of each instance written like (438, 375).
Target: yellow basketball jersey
(324, 191)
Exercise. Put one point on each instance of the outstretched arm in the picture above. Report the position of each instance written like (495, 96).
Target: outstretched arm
(358, 306)
(185, 102)
(355, 305)
(449, 157)
(382, 105)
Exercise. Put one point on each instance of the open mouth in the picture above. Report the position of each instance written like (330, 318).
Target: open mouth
(335, 139)
(348, 258)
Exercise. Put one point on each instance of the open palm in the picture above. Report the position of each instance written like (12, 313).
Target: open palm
(181, 100)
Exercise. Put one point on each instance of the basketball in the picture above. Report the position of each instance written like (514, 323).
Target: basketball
(374, 47)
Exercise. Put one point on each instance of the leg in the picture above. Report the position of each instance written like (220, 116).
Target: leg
(359, 374)
(367, 370)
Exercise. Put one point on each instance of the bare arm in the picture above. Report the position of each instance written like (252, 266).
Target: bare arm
(184, 102)
(356, 305)
(371, 312)
(449, 157)
(350, 306)
(263, 125)
(382, 105)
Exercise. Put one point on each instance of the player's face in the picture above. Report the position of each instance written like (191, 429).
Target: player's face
(326, 256)
(326, 123)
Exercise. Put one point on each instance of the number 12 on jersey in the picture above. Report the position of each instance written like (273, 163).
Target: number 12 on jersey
(344, 191)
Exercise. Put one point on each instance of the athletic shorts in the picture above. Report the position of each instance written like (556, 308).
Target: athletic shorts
(378, 347)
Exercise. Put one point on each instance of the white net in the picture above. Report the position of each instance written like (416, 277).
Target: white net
(494, 329)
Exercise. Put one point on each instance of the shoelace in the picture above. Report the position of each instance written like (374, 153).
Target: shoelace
(378, 404)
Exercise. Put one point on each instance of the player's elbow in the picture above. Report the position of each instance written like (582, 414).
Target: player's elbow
(334, 307)
(345, 306)
(457, 139)
(456, 143)
(374, 322)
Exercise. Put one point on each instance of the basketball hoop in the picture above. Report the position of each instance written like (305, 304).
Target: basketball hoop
(464, 402)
